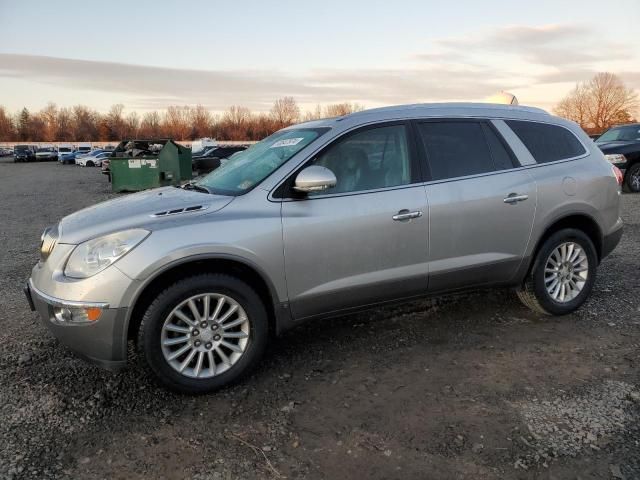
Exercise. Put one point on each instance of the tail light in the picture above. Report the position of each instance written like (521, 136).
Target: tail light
(618, 174)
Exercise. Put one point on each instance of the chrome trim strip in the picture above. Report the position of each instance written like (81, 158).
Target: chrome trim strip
(57, 302)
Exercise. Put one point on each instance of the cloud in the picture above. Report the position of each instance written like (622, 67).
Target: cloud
(556, 45)
(157, 87)
(466, 67)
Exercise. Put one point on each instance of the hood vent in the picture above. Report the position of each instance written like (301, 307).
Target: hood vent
(178, 211)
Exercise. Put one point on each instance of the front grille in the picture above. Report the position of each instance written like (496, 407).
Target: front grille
(48, 241)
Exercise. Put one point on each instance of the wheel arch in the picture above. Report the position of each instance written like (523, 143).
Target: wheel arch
(193, 265)
(579, 221)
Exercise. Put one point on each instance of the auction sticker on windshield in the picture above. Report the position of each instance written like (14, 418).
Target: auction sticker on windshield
(287, 142)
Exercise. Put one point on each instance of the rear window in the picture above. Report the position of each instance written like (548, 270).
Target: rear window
(545, 142)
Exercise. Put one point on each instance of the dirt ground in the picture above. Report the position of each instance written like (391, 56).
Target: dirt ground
(468, 386)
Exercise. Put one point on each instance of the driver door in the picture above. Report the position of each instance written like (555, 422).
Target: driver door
(365, 240)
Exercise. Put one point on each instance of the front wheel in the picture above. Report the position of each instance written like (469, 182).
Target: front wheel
(632, 178)
(203, 333)
(562, 274)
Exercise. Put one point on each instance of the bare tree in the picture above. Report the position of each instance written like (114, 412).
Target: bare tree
(7, 132)
(64, 125)
(340, 109)
(285, 112)
(116, 122)
(150, 126)
(49, 115)
(132, 125)
(85, 124)
(201, 122)
(599, 103)
(176, 123)
(314, 114)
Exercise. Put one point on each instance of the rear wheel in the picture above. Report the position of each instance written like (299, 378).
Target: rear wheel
(203, 333)
(632, 178)
(562, 274)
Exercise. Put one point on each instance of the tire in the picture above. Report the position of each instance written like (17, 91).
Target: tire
(152, 334)
(632, 178)
(534, 292)
(89, 164)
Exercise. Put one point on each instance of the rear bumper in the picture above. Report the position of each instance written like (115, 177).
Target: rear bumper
(102, 342)
(610, 242)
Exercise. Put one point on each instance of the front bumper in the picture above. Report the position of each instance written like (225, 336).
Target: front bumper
(102, 342)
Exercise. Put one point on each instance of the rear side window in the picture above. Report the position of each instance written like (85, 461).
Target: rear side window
(458, 149)
(545, 142)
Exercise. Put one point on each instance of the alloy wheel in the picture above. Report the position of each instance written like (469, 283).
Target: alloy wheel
(205, 335)
(566, 272)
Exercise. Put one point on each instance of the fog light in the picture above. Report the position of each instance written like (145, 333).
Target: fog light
(71, 315)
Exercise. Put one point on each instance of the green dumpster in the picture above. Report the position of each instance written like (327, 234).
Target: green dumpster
(141, 164)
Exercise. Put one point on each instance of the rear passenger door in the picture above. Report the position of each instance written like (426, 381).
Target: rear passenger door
(481, 206)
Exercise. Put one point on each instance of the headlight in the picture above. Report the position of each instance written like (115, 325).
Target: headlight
(616, 158)
(95, 255)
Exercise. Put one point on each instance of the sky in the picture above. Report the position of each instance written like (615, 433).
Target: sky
(148, 55)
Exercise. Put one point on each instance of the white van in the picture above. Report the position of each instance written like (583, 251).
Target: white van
(64, 150)
(200, 144)
(84, 148)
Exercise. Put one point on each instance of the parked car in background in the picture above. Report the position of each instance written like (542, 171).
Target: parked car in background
(213, 157)
(94, 159)
(24, 153)
(621, 146)
(64, 149)
(46, 154)
(325, 218)
(6, 152)
(68, 158)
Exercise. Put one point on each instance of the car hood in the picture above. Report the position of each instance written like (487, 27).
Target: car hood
(619, 147)
(149, 209)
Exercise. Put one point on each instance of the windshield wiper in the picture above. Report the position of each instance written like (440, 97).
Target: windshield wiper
(195, 187)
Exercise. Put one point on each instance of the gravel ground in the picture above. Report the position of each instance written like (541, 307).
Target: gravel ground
(467, 386)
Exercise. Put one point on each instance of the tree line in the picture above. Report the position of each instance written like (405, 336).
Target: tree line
(81, 123)
(595, 105)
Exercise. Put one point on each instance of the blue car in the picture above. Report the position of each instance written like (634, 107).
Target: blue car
(68, 158)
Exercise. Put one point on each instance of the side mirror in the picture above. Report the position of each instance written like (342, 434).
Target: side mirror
(314, 179)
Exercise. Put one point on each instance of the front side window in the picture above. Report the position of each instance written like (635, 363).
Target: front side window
(457, 149)
(367, 160)
(248, 168)
(546, 142)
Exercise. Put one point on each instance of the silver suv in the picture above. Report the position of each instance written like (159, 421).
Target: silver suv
(324, 218)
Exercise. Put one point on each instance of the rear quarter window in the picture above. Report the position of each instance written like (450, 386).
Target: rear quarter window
(546, 142)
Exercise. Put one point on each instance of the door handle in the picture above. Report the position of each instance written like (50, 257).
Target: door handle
(406, 215)
(515, 198)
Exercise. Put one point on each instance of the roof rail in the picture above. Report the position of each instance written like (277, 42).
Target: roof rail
(452, 105)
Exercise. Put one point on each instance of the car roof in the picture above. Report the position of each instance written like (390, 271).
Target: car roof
(426, 110)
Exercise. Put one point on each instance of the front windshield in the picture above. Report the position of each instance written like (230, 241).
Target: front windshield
(248, 168)
(629, 133)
